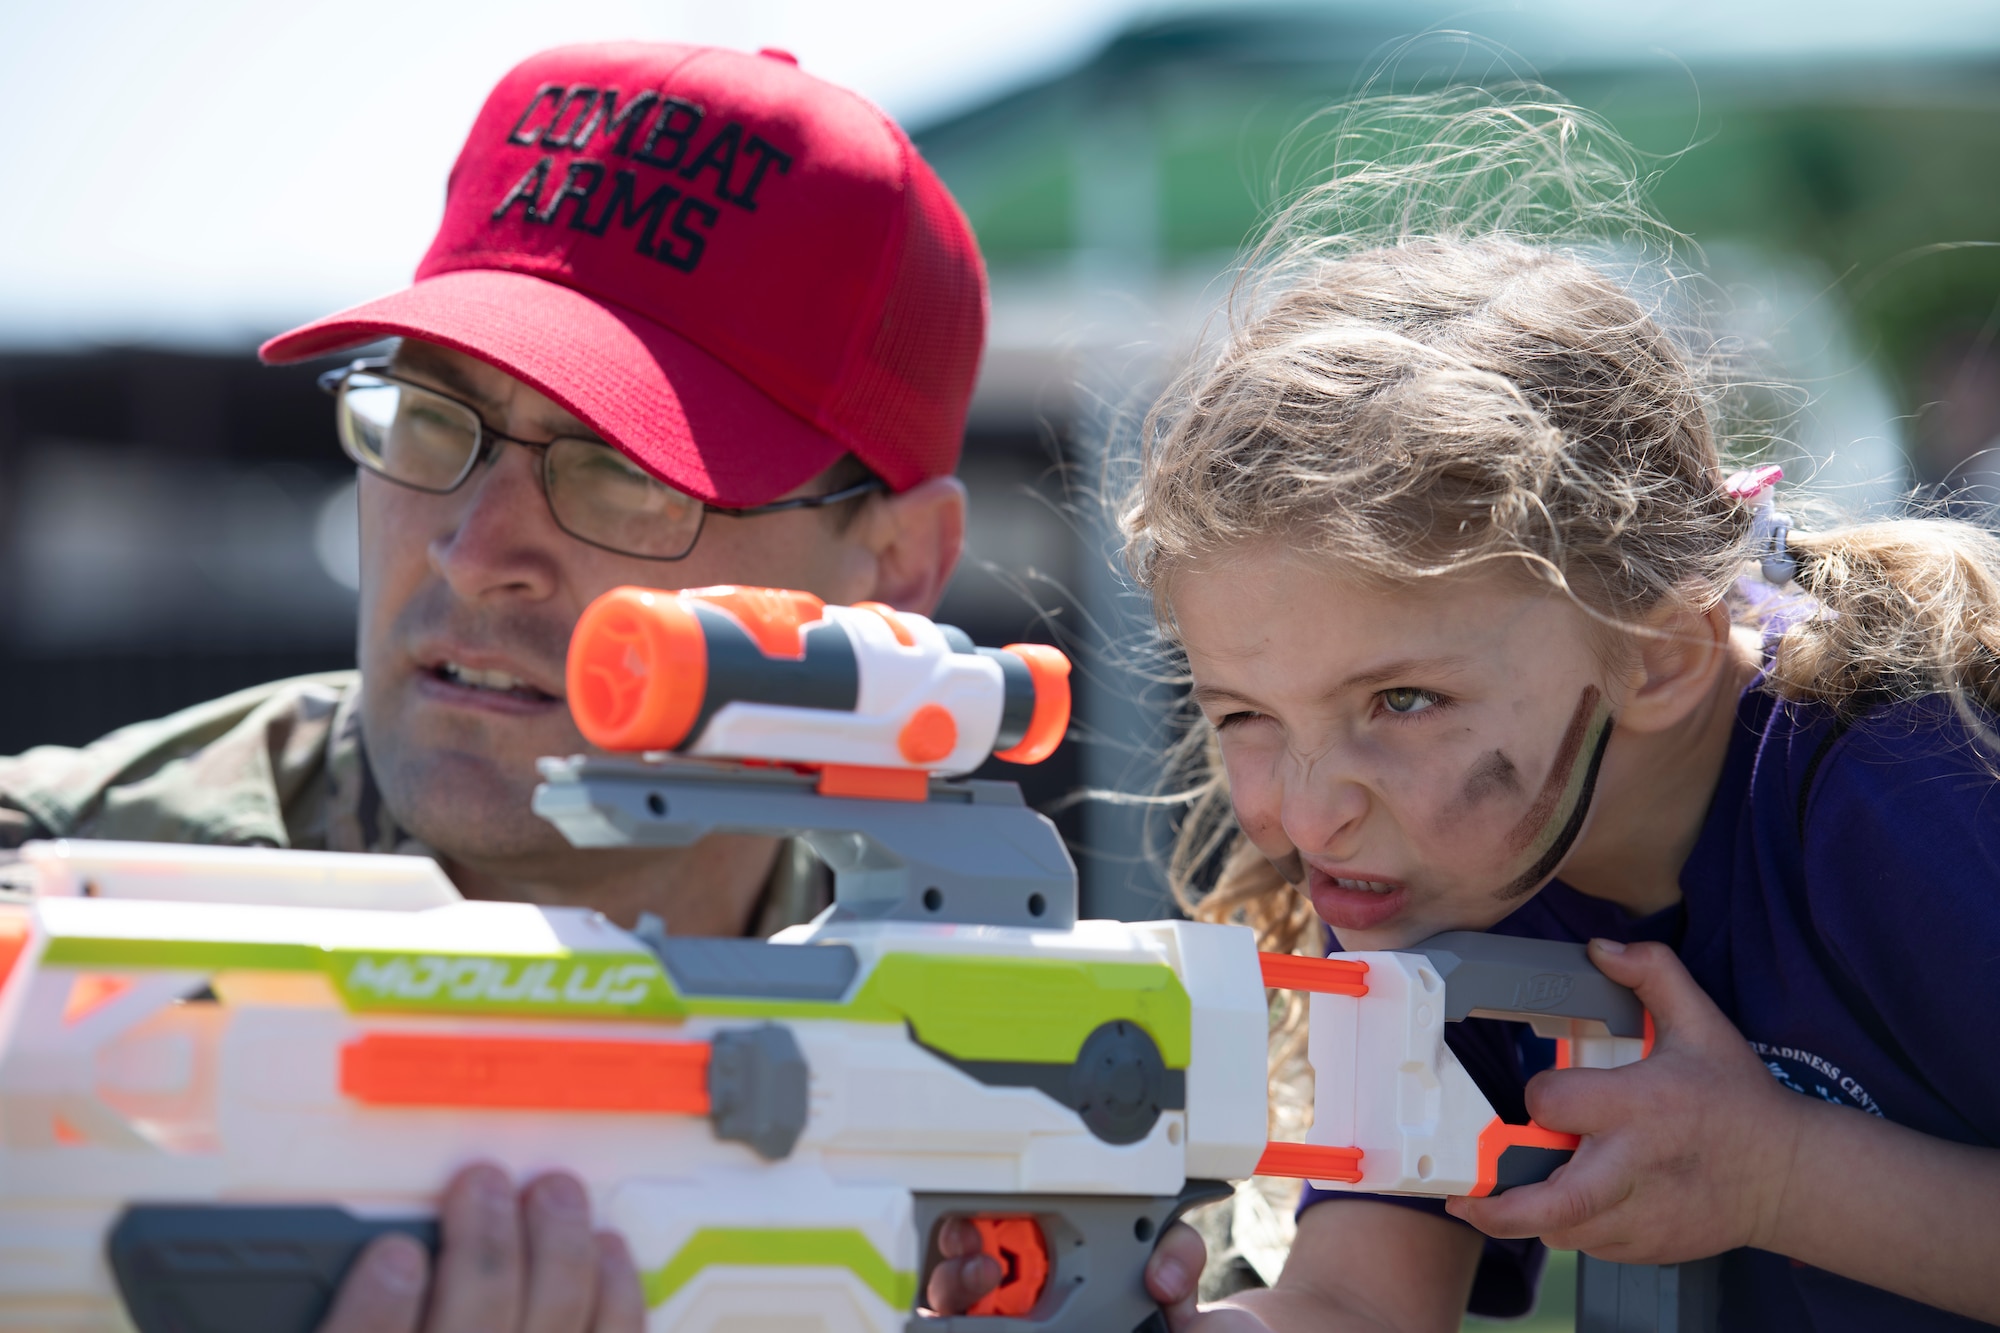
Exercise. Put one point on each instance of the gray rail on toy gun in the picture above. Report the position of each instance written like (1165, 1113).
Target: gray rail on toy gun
(973, 852)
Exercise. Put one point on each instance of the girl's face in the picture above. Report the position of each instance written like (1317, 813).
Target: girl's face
(1419, 759)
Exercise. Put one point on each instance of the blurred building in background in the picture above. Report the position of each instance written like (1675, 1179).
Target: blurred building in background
(177, 524)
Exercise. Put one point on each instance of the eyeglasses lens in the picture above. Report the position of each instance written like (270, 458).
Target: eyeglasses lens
(406, 434)
(426, 441)
(598, 494)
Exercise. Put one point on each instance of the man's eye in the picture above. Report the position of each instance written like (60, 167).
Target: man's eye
(1407, 700)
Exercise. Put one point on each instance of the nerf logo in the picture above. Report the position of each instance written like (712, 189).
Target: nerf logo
(433, 979)
(1543, 991)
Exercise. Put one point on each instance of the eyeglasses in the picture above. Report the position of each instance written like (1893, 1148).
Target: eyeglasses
(429, 441)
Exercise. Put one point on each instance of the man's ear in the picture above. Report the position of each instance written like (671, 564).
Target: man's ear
(1677, 656)
(916, 537)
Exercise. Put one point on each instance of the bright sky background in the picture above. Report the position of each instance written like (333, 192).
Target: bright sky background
(211, 170)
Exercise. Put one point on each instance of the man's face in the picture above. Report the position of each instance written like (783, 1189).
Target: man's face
(468, 599)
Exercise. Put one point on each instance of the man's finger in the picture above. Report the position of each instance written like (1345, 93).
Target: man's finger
(562, 1255)
(958, 1237)
(621, 1297)
(965, 1274)
(480, 1274)
(384, 1290)
(1173, 1274)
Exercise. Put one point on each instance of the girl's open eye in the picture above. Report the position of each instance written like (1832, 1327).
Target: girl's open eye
(1405, 700)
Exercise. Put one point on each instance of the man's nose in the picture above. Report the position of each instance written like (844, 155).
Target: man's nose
(505, 541)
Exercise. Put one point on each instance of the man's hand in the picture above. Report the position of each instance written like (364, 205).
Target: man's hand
(1172, 1276)
(506, 1265)
(966, 1273)
(1684, 1155)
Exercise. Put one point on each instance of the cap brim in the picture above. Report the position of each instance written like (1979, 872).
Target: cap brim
(678, 412)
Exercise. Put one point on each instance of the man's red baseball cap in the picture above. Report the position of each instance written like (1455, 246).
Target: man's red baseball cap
(731, 270)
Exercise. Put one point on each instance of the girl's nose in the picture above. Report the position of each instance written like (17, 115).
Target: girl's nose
(1323, 814)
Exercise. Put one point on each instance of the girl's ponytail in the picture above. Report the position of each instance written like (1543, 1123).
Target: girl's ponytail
(1905, 607)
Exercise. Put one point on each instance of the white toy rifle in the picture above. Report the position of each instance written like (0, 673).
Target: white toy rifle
(222, 1071)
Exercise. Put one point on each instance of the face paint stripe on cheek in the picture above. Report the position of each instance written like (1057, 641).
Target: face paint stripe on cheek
(1539, 824)
(1572, 827)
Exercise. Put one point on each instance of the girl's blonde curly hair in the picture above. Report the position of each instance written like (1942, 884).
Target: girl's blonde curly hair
(1473, 344)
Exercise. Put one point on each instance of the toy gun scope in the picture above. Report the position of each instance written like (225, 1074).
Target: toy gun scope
(873, 697)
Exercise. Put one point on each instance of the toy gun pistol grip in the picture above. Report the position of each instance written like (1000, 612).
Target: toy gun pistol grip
(1069, 1263)
(240, 1269)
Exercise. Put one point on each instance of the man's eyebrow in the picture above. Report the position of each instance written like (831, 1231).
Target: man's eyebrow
(456, 380)
(446, 374)
(1403, 670)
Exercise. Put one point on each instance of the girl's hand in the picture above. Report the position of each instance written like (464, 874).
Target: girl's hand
(1684, 1155)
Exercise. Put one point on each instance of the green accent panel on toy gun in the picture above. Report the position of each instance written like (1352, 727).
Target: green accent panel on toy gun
(182, 955)
(978, 1007)
(1036, 1010)
(823, 1247)
(601, 985)
(970, 1006)
(591, 985)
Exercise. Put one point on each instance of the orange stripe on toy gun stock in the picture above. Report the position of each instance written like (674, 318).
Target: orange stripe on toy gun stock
(1317, 976)
(526, 1073)
(777, 676)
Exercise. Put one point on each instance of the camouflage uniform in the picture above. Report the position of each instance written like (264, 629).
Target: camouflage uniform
(278, 765)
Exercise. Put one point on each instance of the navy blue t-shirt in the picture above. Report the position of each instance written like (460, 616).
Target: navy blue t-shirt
(1842, 907)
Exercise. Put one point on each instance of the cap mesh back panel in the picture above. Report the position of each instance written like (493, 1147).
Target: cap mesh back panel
(905, 408)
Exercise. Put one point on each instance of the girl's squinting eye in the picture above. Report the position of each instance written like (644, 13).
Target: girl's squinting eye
(1405, 700)
(1228, 720)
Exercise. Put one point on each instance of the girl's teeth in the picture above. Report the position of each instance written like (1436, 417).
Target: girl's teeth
(1362, 885)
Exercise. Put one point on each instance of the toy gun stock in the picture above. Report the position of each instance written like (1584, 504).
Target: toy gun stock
(1394, 1112)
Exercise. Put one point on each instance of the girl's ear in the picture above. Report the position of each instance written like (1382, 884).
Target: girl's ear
(1678, 655)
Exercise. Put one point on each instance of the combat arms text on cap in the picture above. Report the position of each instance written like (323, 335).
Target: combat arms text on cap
(731, 270)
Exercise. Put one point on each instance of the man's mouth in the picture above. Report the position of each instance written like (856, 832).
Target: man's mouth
(492, 682)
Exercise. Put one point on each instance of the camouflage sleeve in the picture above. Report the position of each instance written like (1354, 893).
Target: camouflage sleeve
(17, 827)
(222, 771)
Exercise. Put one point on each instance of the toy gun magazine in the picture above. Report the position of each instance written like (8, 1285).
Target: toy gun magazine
(223, 1071)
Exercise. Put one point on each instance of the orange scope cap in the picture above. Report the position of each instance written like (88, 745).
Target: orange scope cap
(1049, 669)
(638, 669)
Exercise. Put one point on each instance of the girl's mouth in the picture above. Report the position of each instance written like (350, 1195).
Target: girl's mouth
(1353, 902)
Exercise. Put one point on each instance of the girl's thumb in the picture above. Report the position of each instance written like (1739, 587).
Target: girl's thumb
(1660, 980)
